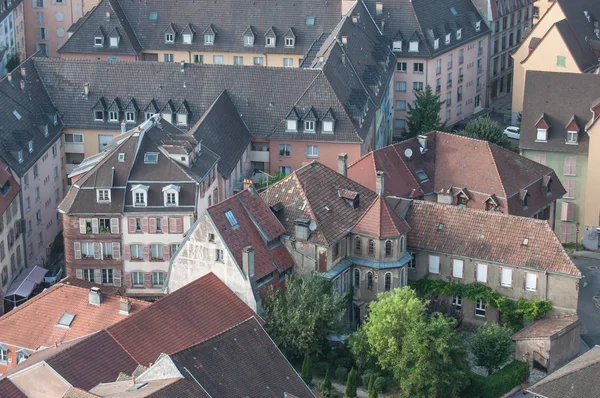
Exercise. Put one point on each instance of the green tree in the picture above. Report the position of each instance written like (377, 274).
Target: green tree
(267, 181)
(492, 346)
(351, 384)
(371, 389)
(307, 373)
(300, 317)
(424, 115)
(12, 62)
(325, 386)
(486, 129)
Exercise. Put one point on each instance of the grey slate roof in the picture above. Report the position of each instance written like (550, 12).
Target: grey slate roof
(229, 20)
(577, 379)
(559, 96)
(426, 19)
(35, 110)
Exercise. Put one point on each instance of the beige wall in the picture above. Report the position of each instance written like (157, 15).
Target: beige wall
(592, 198)
(543, 6)
(188, 56)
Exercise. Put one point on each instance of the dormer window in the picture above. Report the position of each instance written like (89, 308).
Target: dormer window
(99, 116)
(248, 41)
(20, 156)
(542, 135)
(290, 41)
(291, 126)
(121, 157)
(22, 355)
(113, 116)
(458, 34)
(167, 116)
(140, 194)
(129, 117)
(328, 126)
(270, 42)
(436, 44)
(209, 39)
(572, 137)
(309, 126)
(477, 26)
(187, 38)
(30, 146)
(523, 195)
(114, 42)
(413, 47)
(182, 119)
(171, 195)
(98, 41)
(448, 38)
(169, 37)
(103, 195)
(397, 45)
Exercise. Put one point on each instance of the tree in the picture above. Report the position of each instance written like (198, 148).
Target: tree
(424, 115)
(492, 346)
(12, 62)
(351, 384)
(486, 129)
(372, 392)
(307, 370)
(267, 181)
(300, 316)
(325, 386)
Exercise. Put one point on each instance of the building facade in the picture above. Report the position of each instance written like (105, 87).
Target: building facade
(11, 32)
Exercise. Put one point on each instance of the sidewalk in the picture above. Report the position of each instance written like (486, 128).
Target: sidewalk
(588, 254)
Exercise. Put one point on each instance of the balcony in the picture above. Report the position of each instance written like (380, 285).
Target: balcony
(74, 147)
(259, 155)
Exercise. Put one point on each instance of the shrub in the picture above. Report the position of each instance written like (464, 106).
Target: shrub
(343, 363)
(391, 383)
(325, 386)
(367, 375)
(351, 384)
(380, 384)
(341, 373)
(320, 368)
(307, 372)
(499, 383)
(335, 394)
(332, 356)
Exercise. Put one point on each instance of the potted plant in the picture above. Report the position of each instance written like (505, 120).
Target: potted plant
(88, 229)
(101, 229)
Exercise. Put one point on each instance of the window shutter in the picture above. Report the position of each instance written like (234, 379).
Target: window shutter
(179, 224)
(147, 279)
(564, 211)
(457, 268)
(79, 273)
(145, 225)
(94, 225)
(165, 225)
(566, 166)
(146, 252)
(569, 233)
(173, 225)
(116, 250)
(126, 252)
(77, 247)
(482, 273)
(82, 226)
(563, 233)
(117, 277)
(540, 158)
(128, 279)
(97, 251)
(114, 225)
(98, 275)
(573, 165)
(131, 225)
(152, 224)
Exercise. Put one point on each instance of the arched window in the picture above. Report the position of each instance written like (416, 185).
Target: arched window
(388, 248)
(356, 278)
(370, 280)
(371, 247)
(357, 245)
(402, 248)
(388, 281)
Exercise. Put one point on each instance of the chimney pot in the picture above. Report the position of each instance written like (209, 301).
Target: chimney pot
(248, 261)
(95, 296)
(379, 187)
(344, 39)
(343, 164)
(9, 77)
(23, 72)
(247, 183)
(124, 306)
(22, 84)
(123, 127)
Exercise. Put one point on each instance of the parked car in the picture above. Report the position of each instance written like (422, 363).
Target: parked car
(52, 277)
(512, 132)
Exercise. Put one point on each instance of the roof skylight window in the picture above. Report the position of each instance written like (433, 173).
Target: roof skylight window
(422, 176)
(153, 16)
(231, 218)
(151, 157)
(66, 320)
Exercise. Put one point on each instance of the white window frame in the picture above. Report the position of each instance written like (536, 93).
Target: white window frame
(457, 301)
(113, 116)
(312, 151)
(291, 126)
(530, 282)
(397, 45)
(572, 137)
(480, 306)
(182, 119)
(169, 37)
(456, 266)
(108, 275)
(447, 41)
(482, 273)
(328, 126)
(434, 264)
(436, 44)
(98, 41)
(114, 41)
(137, 279)
(130, 117)
(158, 278)
(270, 41)
(157, 252)
(541, 135)
(248, 41)
(309, 126)
(290, 42)
(187, 38)
(288, 62)
(413, 47)
(506, 276)
(209, 40)
(103, 195)
(137, 251)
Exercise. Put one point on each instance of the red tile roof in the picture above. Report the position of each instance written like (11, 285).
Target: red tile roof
(487, 235)
(256, 226)
(547, 327)
(380, 221)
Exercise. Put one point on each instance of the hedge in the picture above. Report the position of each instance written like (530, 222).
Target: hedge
(499, 383)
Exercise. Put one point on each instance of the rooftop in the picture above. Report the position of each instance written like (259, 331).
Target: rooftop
(547, 327)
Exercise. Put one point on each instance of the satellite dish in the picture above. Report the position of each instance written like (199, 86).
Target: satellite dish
(312, 226)
(408, 153)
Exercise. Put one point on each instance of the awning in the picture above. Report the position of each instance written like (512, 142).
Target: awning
(335, 271)
(380, 264)
(27, 281)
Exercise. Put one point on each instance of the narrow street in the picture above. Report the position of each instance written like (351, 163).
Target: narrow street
(589, 265)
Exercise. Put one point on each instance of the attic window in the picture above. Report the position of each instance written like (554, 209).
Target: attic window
(458, 34)
(66, 320)
(99, 116)
(270, 42)
(310, 21)
(291, 126)
(98, 41)
(440, 226)
(187, 38)
(542, 135)
(448, 38)
(436, 44)
(309, 126)
(478, 26)
(413, 47)
(130, 117)
(572, 137)
(181, 119)
(248, 40)
(231, 218)
(103, 195)
(30, 146)
(209, 39)
(22, 355)
(113, 116)
(114, 42)
(289, 41)
(153, 16)
(327, 126)
(121, 157)
(397, 45)
(453, 11)
(422, 176)
(169, 38)
(151, 158)
(16, 114)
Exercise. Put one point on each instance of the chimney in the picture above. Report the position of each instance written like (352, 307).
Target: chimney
(23, 85)
(95, 296)
(123, 127)
(124, 306)
(23, 72)
(247, 183)
(9, 78)
(248, 261)
(379, 183)
(344, 39)
(343, 164)
(422, 142)
(86, 90)
(107, 16)
(182, 66)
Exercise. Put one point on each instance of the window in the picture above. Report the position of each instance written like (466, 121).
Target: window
(39, 16)
(129, 117)
(99, 115)
(310, 21)
(114, 41)
(561, 61)
(356, 278)
(103, 195)
(288, 62)
(169, 37)
(22, 355)
(457, 268)
(449, 61)
(35, 171)
(289, 42)
(397, 45)
(158, 278)
(285, 170)
(156, 252)
(418, 67)
(506, 277)
(258, 61)
(438, 66)
(417, 86)
(401, 67)
(312, 151)
(371, 247)
(530, 282)
(291, 125)
(571, 137)
(357, 243)
(113, 116)
(231, 218)
(36, 194)
(168, 57)
(218, 59)
(309, 126)
(477, 26)
(38, 216)
(436, 44)
(88, 275)
(209, 40)
(457, 302)
(238, 60)
(434, 264)
(198, 58)
(187, 38)
(327, 126)
(107, 277)
(219, 255)
(137, 279)
(388, 248)
(570, 187)
(140, 199)
(570, 166)
(388, 281)
(400, 105)
(458, 110)
(270, 42)
(421, 175)
(3, 354)
(458, 34)
(285, 149)
(413, 46)
(136, 252)
(171, 199)
(370, 280)
(482, 273)
(151, 157)
(479, 308)
(447, 41)
(542, 135)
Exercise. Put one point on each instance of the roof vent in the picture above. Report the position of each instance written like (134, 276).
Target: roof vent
(440, 226)
(95, 296)
(422, 139)
(526, 242)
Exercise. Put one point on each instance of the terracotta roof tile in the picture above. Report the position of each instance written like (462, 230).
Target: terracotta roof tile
(547, 327)
(487, 235)
(380, 221)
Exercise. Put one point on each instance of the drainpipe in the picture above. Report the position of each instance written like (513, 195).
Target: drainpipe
(546, 290)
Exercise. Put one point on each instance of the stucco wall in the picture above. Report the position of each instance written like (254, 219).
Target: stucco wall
(592, 187)
(14, 256)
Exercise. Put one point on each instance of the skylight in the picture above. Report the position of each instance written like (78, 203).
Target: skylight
(231, 218)
(151, 157)
(422, 176)
(66, 320)
(310, 21)
(121, 157)
(17, 115)
(153, 16)
(453, 10)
